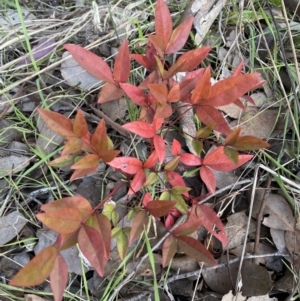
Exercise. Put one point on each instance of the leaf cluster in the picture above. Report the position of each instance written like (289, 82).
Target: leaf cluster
(158, 96)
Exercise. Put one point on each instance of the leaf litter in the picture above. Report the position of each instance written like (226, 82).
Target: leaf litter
(277, 214)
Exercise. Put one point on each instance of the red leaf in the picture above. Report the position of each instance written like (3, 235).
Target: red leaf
(79, 173)
(64, 221)
(187, 228)
(168, 250)
(208, 218)
(193, 248)
(146, 199)
(110, 92)
(157, 123)
(80, 126)
(176, 180)
(160, 148)
(176, 147)
(160, 208)
(122, 63)
(158, 43)
(59, 278)
(209, 115)
(208, 178)
(163, 22)
(193, 58)
(127, 164)
(228, 90)
(190, 159)
(217, 160)
(137, 182)
(77, 202)
(138, 225)
(37, 270)
(140, 128)
(105, 230)
(163, 111)
(179, 36)
(91, 62)
(142, 60)
(92, 247)
(87, 162)
(152, 160)
(57, 122)
(175, 68)
(135, 94)
(203, 88)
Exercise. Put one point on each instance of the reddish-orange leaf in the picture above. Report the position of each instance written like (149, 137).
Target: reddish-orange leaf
(176, 180)
(135, 94)
(92, 246)
(140, 128)
(232, 138)
(157, 123)
(122, 63)
(168, 250)
(78, 202)
(80, 126)
(91, 62)
(66, 241)
(59, 278)
(62, 161)
(228, 90)
(57, 122)
(105, 230)
(202, 89)
(175, 68)
(110, 92)
(138, 225)
(209, 115)
(151, 160)
(193, 58)
(64, 221)
(193, 248)
(208, 178)
(99, 139)
(163, 22)
(137, 182)
(79, 173)
(160, 148)
(142, 60)
(187, 228)
(163, 111)
(190, 159)
(176, 147)
(245, 143)
(129, 165)
(208, 218)
(159, 91)
(158, 43)
(147, 198)
(217, 160)
(179, 36)
(160, 208)
(72, 146)
(88, 161)
(37, 270)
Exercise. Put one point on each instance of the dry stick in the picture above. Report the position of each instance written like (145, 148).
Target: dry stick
(260, 217)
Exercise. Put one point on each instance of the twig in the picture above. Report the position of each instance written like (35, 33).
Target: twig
(260, 216)
(109, 121)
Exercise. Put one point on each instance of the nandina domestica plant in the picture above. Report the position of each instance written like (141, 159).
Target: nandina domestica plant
(158, 96)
